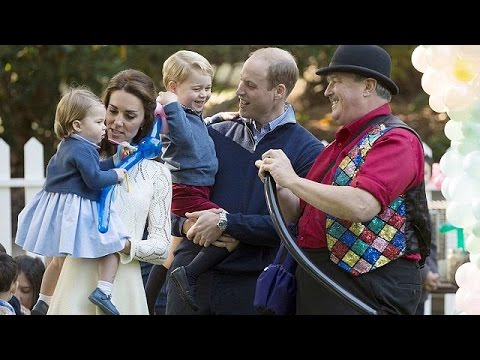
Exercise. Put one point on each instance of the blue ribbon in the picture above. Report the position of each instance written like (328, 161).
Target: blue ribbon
(149, 147)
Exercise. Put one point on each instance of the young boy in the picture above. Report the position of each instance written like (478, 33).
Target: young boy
(8, 283)
(189, 153)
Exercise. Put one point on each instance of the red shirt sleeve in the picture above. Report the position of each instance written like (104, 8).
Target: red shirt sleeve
(381, 174)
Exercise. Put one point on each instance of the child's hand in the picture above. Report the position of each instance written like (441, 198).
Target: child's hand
(24, 310)
(166, 97)
(123, 150)
(222, 116)
(229, 115)
(121, 173)
(227, 242)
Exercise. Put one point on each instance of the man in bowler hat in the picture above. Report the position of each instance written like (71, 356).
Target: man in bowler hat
(351, 207)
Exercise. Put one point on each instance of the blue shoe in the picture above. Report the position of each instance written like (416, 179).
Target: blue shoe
(179, 277)
(99, 298)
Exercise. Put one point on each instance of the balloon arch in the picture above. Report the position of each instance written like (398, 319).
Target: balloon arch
(451, 76)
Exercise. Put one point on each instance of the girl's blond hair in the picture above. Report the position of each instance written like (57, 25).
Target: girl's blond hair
(75, 104)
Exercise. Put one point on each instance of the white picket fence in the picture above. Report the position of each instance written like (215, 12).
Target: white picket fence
(34, 177)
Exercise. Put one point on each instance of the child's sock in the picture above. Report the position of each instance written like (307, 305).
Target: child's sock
(106, 287)
(47, 299)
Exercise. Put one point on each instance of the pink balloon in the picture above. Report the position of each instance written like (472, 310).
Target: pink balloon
(160, 115)
(437, 176)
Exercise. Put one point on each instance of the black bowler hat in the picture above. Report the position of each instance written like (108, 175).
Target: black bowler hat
(369, 60)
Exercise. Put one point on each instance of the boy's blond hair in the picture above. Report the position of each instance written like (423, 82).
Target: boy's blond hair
(75, 104)
(179, 66)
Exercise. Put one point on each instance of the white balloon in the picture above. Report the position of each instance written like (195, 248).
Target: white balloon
(461, 299)
(472, 244)
(454, 144)
(468, 144)
(444, 188)
(471, 164)
(475, 83)
(476, 208)
(460, 115)
(475, 260)
(458, 96)
(472, 307)
(466, 189)
(476, 227)
(460, 214)
(452, 186)
(475, 110)
(419, 58)
(453, 130)
(472, 128)
(433, 81)
(437, 104)
(451, 163)
(470, 51)
(441, 56)
(465, 275)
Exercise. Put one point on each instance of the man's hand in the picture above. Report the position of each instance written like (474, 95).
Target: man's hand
(432, 280)
(205, 230)
(229, 115)
(222, 116)
(278, 165)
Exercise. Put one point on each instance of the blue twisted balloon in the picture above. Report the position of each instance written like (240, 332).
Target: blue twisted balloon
(149, 147)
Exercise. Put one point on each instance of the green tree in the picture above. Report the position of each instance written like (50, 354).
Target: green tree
(32, 78)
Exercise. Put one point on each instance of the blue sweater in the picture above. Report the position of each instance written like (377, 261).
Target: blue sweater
(238, 190)
(188, 151)
(75, 169)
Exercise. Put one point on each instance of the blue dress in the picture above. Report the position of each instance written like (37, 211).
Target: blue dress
(59, 221)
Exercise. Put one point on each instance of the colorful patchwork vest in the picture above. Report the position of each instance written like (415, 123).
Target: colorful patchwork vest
(362, 247)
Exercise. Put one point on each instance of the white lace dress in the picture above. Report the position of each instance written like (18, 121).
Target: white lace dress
(147, 194)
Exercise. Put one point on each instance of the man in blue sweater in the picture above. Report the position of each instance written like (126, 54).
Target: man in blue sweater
(267, 121)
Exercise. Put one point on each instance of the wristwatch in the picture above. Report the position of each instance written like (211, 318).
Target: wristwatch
(222, 221)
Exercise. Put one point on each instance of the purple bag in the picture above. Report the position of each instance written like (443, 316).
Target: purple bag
(276, 286)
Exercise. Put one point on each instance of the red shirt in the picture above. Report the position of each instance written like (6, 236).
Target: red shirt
(394, 165)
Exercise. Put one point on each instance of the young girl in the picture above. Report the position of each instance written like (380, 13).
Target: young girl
(189, 153)
(62, 219)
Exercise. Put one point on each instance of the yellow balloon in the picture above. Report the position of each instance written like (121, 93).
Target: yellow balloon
(463, 70)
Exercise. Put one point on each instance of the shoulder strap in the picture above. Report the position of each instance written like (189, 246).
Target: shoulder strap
(395, 122)
(283, 257)
(371, 122)
(416, 203)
